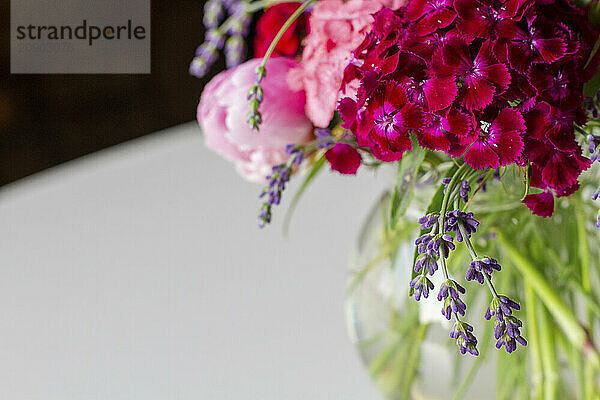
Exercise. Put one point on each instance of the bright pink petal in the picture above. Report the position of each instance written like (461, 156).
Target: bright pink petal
(344, 158)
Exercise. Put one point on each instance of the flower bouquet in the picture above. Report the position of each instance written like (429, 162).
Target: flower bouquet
(487, 113)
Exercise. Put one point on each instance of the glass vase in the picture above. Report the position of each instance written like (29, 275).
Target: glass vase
(405, 344)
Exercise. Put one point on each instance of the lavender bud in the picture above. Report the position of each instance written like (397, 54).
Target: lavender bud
(235, 51)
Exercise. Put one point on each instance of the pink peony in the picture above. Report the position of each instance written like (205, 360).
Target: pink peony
(222, 117)
(336, 29)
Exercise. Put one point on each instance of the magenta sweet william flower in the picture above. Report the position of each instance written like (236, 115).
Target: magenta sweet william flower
(485, 19)
(431, 15)
(384, 124)
(343, 158)
(480, 78)
(494, 82)
(538, 43)
(499, 142)
(222, 117)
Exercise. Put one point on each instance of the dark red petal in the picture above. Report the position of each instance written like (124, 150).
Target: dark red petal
(395, 94)
(436, 20)
(509, 147)
(498, 74)
(562, 138)
(536, 177)
(399, 141)
(455, 53)
(514, 9)
(541, 204)
(477, 93)
(440, 93)
(391, 146)
(481, 156)
(415, 9)
(466, 8)
(508, 120)
(563, 169)
(519, 56)
(457, 123)
(347, 110)
(550, 49)
(344, 158)
(409, 117)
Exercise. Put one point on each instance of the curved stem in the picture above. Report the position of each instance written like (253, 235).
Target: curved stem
(284, 28)
(259, 5)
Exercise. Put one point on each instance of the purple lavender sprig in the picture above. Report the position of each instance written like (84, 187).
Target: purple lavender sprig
(277, 182)
(594, 147)
(255, 98)
(507, 329)
(465, 340)
(449, 293)
(457, 218)
(480, 267)
(435, 246)
(215, 39)
(507, 326)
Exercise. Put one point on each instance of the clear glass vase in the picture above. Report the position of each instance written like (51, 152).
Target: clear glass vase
(405, 344)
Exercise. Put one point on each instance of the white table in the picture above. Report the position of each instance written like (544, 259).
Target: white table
(140, 273)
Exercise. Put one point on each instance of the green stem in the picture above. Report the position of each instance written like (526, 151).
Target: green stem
(284, 28)
(559, 310)
(259, 5)
(469, 245)
(413, 360)
(581, 130)
(534, 343)
(449, 190)
(549, 361)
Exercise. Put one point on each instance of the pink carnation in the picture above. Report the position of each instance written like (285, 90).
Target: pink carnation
(336, 29)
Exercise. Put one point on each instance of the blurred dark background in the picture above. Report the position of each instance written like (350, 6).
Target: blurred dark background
(46, 120)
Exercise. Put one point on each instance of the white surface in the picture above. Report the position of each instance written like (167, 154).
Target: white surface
(140, 273)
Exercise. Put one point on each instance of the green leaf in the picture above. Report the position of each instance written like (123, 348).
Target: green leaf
(309, 177)
(592, 86)
(435, 205)
(405, 187)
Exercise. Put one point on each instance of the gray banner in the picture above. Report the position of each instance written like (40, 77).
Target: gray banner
(80, 36)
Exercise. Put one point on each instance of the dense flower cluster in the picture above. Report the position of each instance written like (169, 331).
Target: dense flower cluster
(336, 28)
(494, 82)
